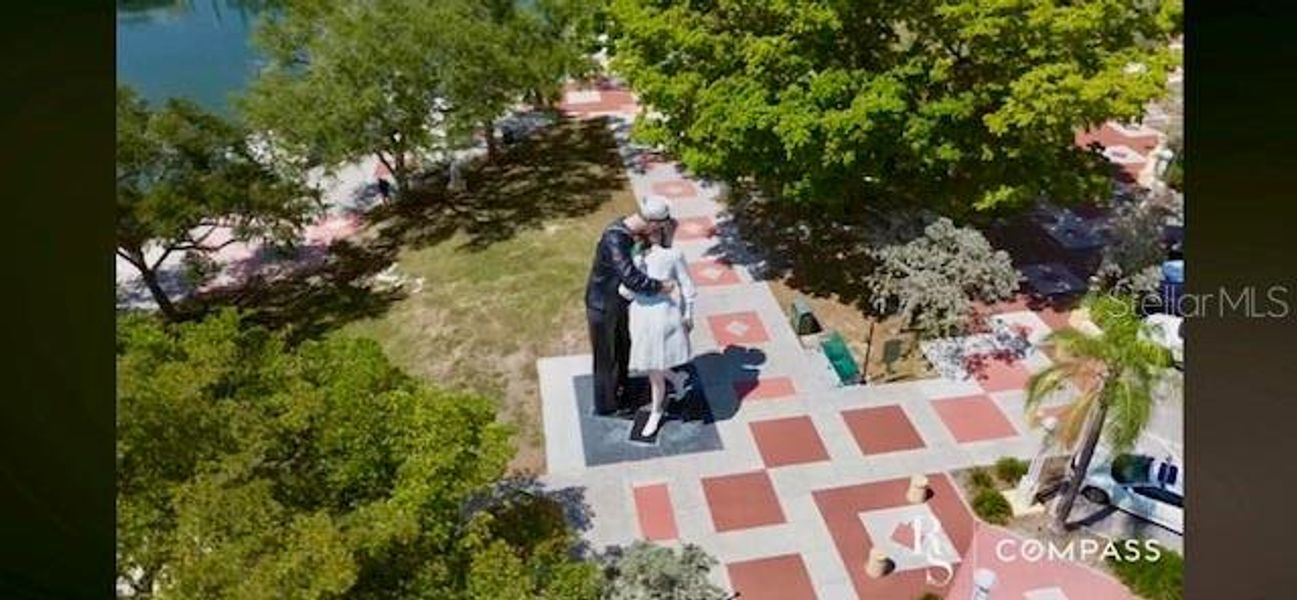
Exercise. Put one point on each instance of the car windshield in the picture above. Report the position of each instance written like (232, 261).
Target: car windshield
(1131, 468)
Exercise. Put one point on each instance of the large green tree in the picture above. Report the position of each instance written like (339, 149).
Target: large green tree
(1117, 373)
(401, 78)
(953, 104)
(184, 173)
(250, 469)
(515, 51)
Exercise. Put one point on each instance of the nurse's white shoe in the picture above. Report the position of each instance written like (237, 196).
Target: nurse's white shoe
(652, 424)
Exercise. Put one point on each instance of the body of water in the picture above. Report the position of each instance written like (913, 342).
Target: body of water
(195, 49)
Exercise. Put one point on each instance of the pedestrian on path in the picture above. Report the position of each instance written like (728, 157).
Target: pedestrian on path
(607, 310)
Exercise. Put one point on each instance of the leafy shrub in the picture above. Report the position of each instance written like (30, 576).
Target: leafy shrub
(991, 506)
(1175, 173)
(931, 280)
(1162, 579)
(981, 479)
(644, 571)
(1010, 470)
(1133, 258)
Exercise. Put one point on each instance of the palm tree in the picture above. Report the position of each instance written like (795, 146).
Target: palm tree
(1116, 371)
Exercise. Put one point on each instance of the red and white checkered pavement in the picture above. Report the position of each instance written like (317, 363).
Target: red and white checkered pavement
(811, 476)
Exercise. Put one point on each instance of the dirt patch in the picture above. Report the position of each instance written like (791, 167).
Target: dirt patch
(865, 335)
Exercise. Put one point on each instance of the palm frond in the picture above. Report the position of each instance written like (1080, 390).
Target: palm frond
(1048, 382)
(1117, 368)
(1130, 404)
(1072, 422)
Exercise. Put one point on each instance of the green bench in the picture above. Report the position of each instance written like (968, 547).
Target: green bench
(839, 354)
(834, 347)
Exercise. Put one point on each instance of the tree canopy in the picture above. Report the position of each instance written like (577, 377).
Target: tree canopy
(181, 174)
(398, 78)
(956, 105)
(250, 469)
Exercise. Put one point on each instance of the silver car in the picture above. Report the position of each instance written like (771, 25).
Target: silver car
(1147, 487)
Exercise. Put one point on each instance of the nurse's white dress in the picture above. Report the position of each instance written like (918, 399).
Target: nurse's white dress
(658, 338)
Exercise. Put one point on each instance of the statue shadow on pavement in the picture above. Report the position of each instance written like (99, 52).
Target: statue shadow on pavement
(689, 423)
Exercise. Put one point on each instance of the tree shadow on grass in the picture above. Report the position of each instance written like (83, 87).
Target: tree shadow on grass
(527, 511)
(567, 170)
(328, 290)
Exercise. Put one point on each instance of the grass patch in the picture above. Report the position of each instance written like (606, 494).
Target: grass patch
(504, 266)
(1161, 579)
(990, 506)
(980, 479)
(1010, 470)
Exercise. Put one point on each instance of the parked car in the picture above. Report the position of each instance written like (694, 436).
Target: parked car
(1167, 331)
(1147, 487)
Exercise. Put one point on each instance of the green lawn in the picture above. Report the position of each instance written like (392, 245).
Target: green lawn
(504, 268)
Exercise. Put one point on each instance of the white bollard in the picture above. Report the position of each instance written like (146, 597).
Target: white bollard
(983, 581)
(918, 491)
(877, 565)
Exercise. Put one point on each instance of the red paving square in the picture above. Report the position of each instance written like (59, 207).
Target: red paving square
(712, 272)
(996, 374)
(774, 578)
(1108, 135)
(675, 189)
(841, 508)
(694, 228)
(882, 429)
(619, 100)
(657, 520)
(791, 441)
(973, 418)
(738, 329)
(1055, 317)
(742, 501)
(764, 388)
(605, 100)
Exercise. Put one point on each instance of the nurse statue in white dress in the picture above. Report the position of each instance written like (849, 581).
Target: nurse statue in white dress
(660, 324)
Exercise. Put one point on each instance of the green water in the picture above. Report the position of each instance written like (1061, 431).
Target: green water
(195, 49)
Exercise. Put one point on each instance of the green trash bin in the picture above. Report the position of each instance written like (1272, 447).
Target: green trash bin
(804, 321)
(839, 354)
